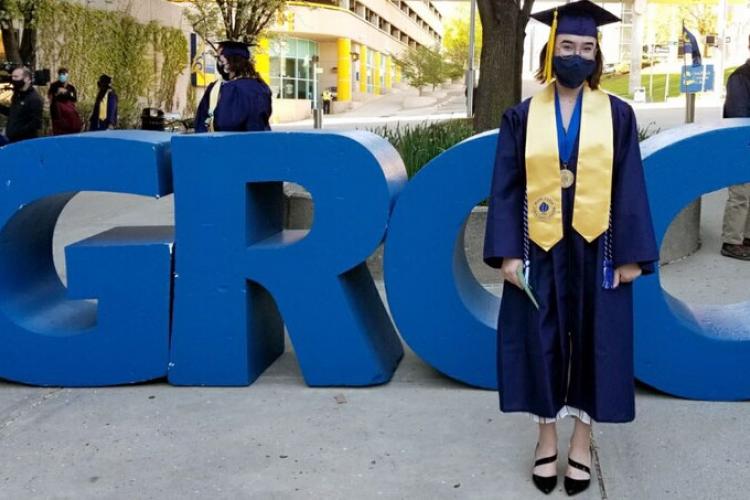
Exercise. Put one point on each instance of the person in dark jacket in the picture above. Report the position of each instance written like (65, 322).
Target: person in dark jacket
(735, 234)
(104, 115)
(62, 97)
(242, 102)
(25, 110)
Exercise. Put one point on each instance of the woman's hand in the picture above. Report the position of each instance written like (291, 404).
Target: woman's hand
(508, 270)
(627, 274)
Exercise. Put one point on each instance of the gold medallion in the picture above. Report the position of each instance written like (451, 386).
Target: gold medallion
(567, 178)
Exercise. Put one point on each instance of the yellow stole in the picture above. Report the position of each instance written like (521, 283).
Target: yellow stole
(593, 183)
(103, 105)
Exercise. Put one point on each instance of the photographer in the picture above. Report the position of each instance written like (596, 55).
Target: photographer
(25, 110)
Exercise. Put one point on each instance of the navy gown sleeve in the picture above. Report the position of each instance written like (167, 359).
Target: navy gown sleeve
(737, 103)
(112, 109)
(258, 118)
(632, 230)
(202, 113)
(504, 232)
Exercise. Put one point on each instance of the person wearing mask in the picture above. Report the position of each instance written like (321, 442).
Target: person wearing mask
(239, 103)
(104, 115)
(735, 233)
(327, 99)
(62, 97)
(569, 226)
(25, 110)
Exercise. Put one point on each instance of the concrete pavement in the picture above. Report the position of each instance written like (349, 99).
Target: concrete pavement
(389, 110)
(422, 436)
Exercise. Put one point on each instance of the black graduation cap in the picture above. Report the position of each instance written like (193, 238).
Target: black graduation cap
(576, 18)
(232, 48)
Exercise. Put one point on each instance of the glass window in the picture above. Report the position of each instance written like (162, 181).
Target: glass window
(304, 68)
(301, 90)
(289, 89)
(289, 67)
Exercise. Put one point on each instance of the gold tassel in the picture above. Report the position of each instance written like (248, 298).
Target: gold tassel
(550, 50)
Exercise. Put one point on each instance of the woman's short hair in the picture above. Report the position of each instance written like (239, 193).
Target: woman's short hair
(593, 80)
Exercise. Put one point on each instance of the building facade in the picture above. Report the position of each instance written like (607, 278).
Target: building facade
(352, 43)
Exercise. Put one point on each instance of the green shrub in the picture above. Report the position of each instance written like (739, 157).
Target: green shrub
(144, 60)
(418, 144)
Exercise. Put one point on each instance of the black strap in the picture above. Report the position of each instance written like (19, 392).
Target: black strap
(546, 460)
(578, 466)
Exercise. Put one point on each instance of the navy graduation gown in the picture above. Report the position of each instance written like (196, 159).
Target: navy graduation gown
(577, 349)
(244, 105)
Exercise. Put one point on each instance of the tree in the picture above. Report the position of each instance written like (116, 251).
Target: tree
(236, 20)
(14, 15)
(503, 31)
(456, 38)
(423, 66)
(700, 15)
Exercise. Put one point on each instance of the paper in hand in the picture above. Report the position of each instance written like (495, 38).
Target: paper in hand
(525, 286)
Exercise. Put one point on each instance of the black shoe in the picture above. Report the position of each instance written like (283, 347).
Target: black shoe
(735, 251)
(575, 486)
(545, 484)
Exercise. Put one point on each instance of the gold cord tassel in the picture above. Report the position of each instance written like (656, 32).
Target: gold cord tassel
(550, 50)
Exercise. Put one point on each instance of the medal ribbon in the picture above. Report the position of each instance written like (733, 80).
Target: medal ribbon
(594, 168)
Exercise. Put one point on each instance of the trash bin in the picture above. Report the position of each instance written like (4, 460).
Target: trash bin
(152, 119)
(640, 94)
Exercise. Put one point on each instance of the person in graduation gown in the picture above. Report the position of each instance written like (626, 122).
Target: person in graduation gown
(104, 114)
(568, 216)
(242, 102)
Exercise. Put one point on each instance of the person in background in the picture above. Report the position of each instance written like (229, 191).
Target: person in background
(62, 97)
(239, 103)
(25, 110)
(104, 115)
(735, 233)
(327, 99)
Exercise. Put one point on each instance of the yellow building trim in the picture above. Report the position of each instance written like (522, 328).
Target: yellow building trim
(388, 73)
(376, 74)
(263, 59)
(363, 69)
(313, 5)
(344, 70)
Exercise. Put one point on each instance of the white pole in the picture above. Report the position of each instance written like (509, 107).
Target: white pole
(719, 68)
(470, 75)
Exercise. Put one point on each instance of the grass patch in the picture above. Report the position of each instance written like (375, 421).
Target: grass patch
(618, 84)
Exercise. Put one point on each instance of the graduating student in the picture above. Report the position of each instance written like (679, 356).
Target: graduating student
(239, 104)
(570, 227)
(104, 114)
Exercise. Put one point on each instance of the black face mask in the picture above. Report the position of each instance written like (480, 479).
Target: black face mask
(222, 71)
(17, 85)
(571, 71)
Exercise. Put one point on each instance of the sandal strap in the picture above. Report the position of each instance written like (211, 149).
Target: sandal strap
(546, 460)
(579, 466)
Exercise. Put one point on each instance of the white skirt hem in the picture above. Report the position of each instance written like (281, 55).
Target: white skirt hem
(564, 412)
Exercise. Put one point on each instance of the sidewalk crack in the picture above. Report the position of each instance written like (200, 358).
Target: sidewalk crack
(24, 407)
(598, 465)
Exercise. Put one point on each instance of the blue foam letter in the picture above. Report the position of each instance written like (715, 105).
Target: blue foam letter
(694, 351)
(442, 312)
(46, 338)
(233, 257)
